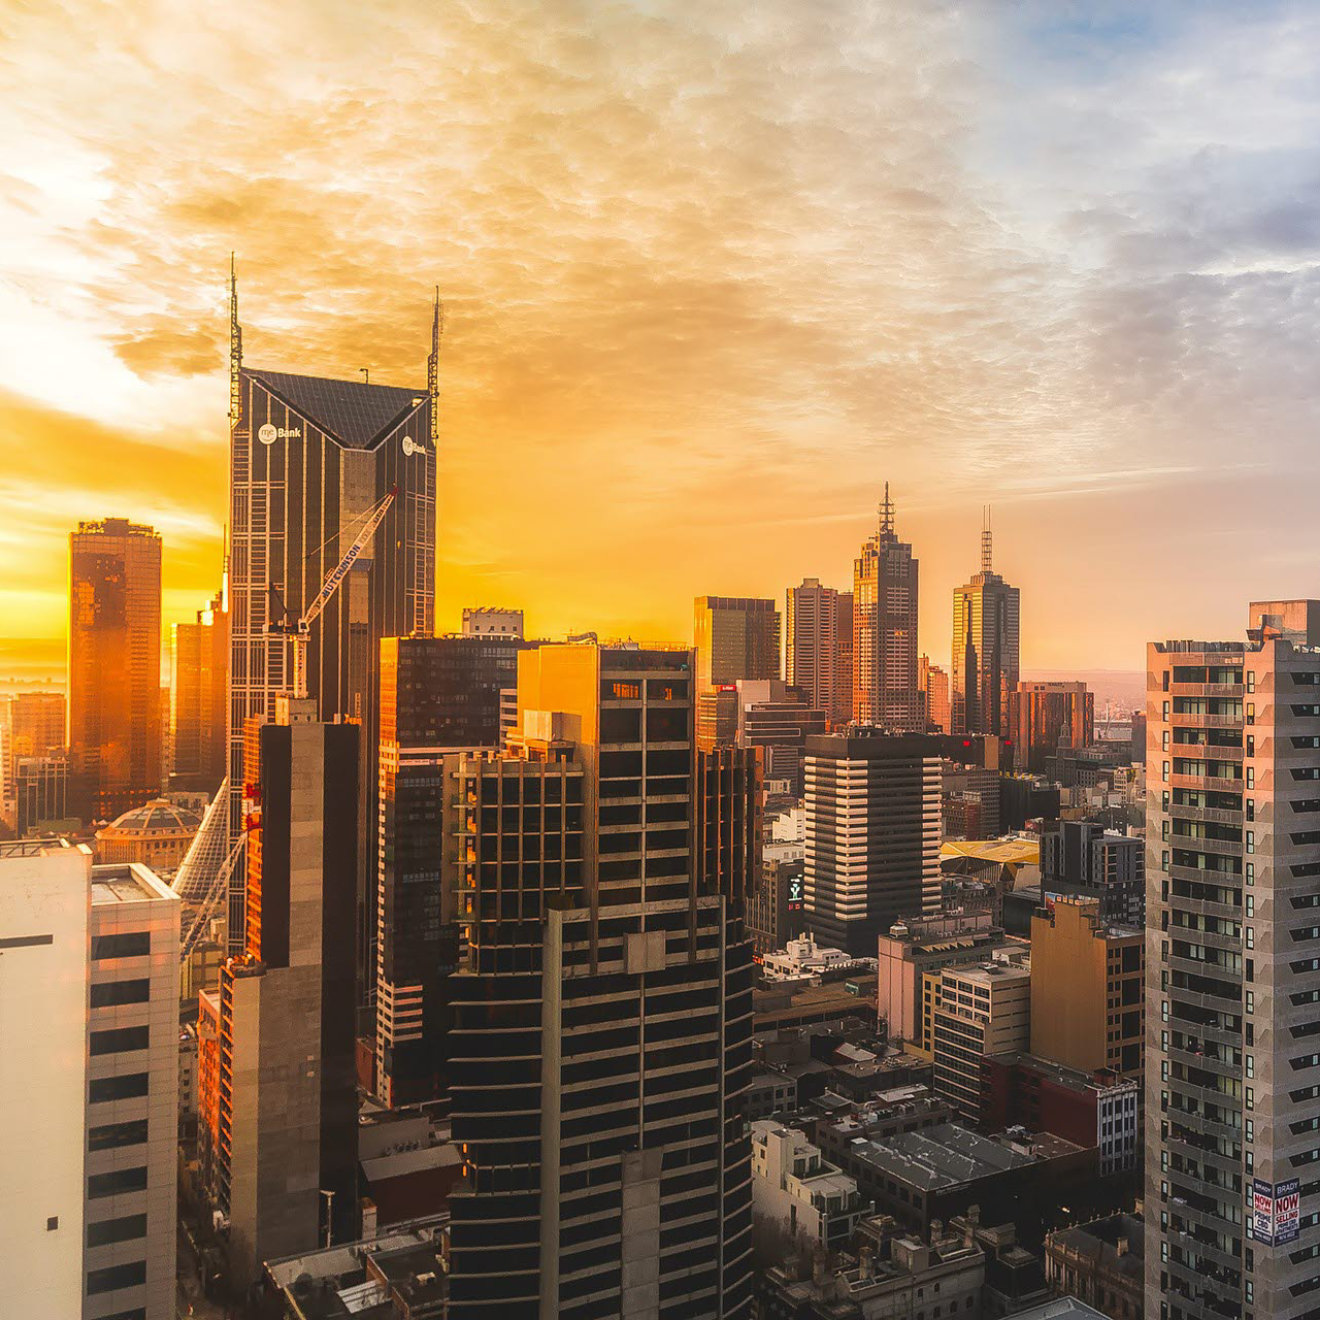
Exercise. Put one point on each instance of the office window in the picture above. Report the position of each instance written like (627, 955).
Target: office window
(132, 944)
(126, 1229)
(119, 1041)
(111, 993)
(126, 1087)
(114, 1135)
(117, 1276)
(116, 1182)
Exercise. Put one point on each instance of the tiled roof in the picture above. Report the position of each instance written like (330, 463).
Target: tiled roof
(354, 413)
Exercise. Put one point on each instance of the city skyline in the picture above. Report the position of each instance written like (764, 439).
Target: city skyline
(1073, 323)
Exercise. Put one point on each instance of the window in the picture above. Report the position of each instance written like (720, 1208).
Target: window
(133, 944)
(111, 993)
(117, 1182)
(126, 1087)
(1251, 776)
(114, 1135)
(120, 1041)
(126, 1229)
(117, 1276)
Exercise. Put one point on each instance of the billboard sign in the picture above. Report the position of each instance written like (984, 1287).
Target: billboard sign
(1275, 1212)
(795, 894)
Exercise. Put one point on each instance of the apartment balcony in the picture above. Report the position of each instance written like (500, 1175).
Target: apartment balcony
(1200, 967)
(1206, 1032)
(1211, 847)
(1207, 1154)
(1209, 939)
(1206, 815)
(1205, 690)
(1206, 1059)
(1218, 783)
(1185, 720)
(1204, 907)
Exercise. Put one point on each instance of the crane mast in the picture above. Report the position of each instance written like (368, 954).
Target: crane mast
(299, 631)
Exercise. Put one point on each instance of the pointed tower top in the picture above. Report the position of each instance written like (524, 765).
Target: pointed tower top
(887, 514)
(987, 544)
(235, 350)
(433, 367)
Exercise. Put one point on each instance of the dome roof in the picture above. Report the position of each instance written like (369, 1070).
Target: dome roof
(156, 817)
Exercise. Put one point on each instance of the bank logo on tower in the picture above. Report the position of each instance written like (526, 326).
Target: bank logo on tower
(267, 434)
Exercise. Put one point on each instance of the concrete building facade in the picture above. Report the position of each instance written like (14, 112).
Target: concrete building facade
(793, 1185)
(1233, 964)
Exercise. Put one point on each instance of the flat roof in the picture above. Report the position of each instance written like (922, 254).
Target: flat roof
(129, 882)
(940, 1157)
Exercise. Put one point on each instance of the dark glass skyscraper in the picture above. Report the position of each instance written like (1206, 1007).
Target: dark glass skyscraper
(985, 669)
(309, 457)
(602, 1007)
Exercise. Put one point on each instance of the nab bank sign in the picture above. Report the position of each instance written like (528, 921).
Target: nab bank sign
(268, 434)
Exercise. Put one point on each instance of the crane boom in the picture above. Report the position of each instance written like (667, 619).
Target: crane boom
(299, 632)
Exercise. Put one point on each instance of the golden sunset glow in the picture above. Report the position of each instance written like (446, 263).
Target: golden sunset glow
(713, 273)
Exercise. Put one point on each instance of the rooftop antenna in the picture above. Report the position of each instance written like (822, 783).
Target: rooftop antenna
(433, 366)
(886, 514)
(366, 375)
(235, 352)
(986, 542)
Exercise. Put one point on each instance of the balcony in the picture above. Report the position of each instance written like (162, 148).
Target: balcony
(1216, 783)
(1206, 815)
(1185, 720)
(1205, 689)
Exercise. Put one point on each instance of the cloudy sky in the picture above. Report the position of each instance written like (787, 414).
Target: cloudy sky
(713, 273)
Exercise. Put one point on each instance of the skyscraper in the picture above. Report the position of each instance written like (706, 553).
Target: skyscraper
(114, 668)
(199, 699)
(309, 457)
(935, 696)
(985, 648)
(36, 725)
(1232, 972)
(812, 645)
(845, 672)
(286, 1155)
(873, 835)
(438, 697)
(602, 1006)
(886, 685)
(736, 637)
(1043, 716)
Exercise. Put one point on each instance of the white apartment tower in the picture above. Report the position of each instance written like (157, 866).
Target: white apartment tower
(89, 995)
(1233, 972)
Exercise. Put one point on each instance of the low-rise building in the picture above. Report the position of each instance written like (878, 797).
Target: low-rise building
(1101, 1263)
(793, 1184)
(803, 959)
(770, 1093)
(894, 1275)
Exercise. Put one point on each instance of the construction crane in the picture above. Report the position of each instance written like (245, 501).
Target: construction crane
(299, 630)
(215, 895)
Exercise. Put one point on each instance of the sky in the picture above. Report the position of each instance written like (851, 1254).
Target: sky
(713, 273)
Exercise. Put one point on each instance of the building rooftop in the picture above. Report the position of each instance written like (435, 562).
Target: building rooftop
(941, 1157)
(128, 882)
(352, 412)
(1060, 1308)
(1116, 1243)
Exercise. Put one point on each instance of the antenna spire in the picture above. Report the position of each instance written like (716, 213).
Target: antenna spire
(987, 542)
(433, 367)
(887, 514)
(235, 350)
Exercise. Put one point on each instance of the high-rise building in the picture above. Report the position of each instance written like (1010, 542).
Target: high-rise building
(1232, 976)
(778, 719)
(285, 1157)
(438, 695)
(132, 1096)
(89, 988)
(816, 658)
(872, 835)
(934, 682)
(45, 917)
(35, 726)
(1044, 716)
(1083, 859)
(985, 648)
(114, 668)
(1088, 1000)
(199, 699)
(309, 458)
(41, 785)
(736, 637)
(845, 668)
(886, 682)
(602, 1007)
(979, 1011)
